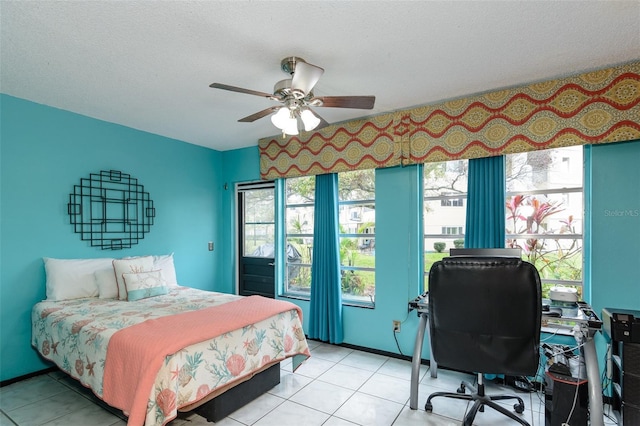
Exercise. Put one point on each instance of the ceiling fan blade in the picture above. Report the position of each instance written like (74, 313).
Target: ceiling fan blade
(305, 77)
(253, 117)
(241, 90)
(359, 102)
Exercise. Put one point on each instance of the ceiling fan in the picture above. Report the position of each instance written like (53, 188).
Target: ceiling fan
(296, 96)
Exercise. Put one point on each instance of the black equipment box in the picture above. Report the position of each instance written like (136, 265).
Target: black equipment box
(622, 325)
(562, 405)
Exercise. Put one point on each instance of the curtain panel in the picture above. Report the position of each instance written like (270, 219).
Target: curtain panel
(596, 107)
(485, 220)
(325, 313)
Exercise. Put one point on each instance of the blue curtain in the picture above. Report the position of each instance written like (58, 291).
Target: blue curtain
(485, 225)
(325, 321)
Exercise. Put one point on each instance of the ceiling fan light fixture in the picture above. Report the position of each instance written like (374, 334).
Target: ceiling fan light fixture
(281, 118)
(309, 119)
(286, 121)
(292, 127)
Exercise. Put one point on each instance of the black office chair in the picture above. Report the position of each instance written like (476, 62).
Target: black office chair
(484, 318)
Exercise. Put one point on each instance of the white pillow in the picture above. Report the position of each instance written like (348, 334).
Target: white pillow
(72, 278)
(107, 284)
(127, 266)
(144, 284)
(165, 264)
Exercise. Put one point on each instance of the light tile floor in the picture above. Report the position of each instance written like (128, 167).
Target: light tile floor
(335, 387)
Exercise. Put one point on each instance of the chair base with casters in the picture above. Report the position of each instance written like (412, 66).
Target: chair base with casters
(480, 400)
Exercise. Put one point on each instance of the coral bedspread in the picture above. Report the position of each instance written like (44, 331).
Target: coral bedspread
(75, 334)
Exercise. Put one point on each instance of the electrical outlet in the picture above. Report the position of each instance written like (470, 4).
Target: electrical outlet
(396, 326)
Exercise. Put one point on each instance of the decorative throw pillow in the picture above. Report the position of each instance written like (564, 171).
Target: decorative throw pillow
(72, 278)
(142, 285)
(107, 284)
(132, 265)
(164, 263)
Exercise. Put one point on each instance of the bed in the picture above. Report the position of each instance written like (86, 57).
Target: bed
(174, 349)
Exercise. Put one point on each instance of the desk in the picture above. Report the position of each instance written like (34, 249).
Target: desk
(582, 323)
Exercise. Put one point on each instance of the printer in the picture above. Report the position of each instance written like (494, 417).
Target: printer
(622, 325)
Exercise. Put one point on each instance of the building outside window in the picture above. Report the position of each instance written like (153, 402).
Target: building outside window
(452, 230)
(445, 194)
(356, 235)
(452, 202)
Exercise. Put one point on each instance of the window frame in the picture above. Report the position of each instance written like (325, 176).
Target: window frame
(446, 201)
(563, 185)
(566, 236)
(347, 299)
(287, 291)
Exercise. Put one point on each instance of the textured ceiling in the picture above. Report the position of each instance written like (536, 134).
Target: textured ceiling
(148, 65)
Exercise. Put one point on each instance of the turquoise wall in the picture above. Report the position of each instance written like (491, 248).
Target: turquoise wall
(238, 166)
(615, 229)
(44, 152)
(615, 226)
(398, 276)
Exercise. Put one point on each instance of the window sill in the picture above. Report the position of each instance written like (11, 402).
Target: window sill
(350, 303)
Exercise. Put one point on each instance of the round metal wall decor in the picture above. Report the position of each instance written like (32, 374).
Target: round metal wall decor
(111, 210)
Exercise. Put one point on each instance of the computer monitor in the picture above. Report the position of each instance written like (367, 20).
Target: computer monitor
(489, 252)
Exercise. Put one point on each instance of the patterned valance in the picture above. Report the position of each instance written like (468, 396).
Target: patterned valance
(596, 107)
(357, 144)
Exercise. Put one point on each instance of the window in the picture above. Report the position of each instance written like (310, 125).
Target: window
(445, 193)
(257, 217)
(452, 230)
(544, 205)
(356, 209)
(299, 200)
(451, 202)
(356, 193)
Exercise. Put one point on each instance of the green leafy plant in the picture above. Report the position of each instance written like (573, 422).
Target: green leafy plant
(555, 258)
(352, 283)
(439, 246)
